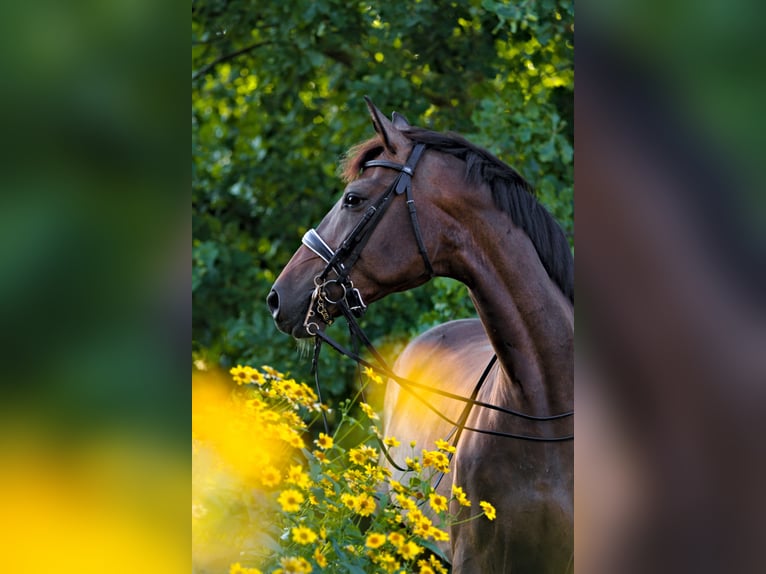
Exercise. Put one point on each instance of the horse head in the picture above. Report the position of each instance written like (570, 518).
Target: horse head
(372, 242)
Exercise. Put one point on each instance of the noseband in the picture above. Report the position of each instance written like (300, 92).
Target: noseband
(343, 259)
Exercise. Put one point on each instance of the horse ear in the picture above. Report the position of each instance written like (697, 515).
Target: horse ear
(400, 121)
(392, 137)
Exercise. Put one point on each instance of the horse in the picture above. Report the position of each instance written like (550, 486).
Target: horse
(477, 221)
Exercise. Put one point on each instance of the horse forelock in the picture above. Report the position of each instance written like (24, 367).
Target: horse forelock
(511, 193)
(357, 156)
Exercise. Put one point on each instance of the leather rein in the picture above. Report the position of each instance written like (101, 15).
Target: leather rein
(351, 305)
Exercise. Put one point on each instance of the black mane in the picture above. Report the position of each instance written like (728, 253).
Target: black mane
(513, 195)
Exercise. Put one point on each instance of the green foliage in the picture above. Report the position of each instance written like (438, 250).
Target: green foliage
(277, 99)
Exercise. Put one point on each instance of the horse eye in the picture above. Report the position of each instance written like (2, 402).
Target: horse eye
(352, 200)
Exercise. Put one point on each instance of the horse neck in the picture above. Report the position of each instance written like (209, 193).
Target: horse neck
(529, 321)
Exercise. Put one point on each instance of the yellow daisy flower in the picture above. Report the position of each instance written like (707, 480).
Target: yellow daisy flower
(489, 510)
(320, 558)
(409, 550)
(303, 535)
(391, 442)
(293, 565)
(290, 500)
(396, 538)
(437, 502)
(368, 410)
(375, 540)
(364, 504)
(372, 375)
(324, 441)
(270, 476)
(460, 495)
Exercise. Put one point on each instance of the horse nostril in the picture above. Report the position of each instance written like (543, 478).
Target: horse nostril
(273, 302)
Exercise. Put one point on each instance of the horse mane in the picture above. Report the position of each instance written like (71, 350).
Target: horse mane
(511, 193)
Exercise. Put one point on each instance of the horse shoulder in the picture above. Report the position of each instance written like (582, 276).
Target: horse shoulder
(449, 357)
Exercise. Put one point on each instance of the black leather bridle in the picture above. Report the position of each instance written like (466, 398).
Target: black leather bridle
(342, 260)
(349, 302)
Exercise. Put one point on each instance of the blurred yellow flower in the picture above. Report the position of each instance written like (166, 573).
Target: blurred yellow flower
(372, 375)
(324, 441)
(296, 476)
(437, 502)
(364, 504)
(409, 550)
(290, 500)
(391, 442)
(237, 568)
(460, 496)
(319, 558)
(489, 510)
(396, 538)
(270, 476)
(375, 540)
(294, 565)
(303, 535)
(369, 411)
(445, 446)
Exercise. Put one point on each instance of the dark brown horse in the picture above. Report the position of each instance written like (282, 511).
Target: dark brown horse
(477, 221)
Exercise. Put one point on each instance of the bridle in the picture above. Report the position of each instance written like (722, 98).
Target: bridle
(342, 260)
(351, 305)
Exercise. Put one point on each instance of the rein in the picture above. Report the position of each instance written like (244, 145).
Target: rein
(350, 303)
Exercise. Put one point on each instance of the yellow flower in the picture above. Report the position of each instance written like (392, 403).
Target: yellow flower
(372, 375)
(272, 372)
(436, 459)
(413, 464)
(349, 500)
(303, 535)
(364, 504)
(375, 540)
(292, 565)
(254, 376)
(290, 500)
(296, 441)
(362, 454)
(237, 568)
(396, 486)
(422, 525)
(396, 538)
(437, 502)
(406, 503)
(387, 561)
(489, 510)
(432, 566)
(368, 410)
(445, 446)
(460, 496)
(320, 558)
(239, 374)
(409, 550)
(270, 476)
(324, 441)
(391, 442)
(438, 534)
(296, 476)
